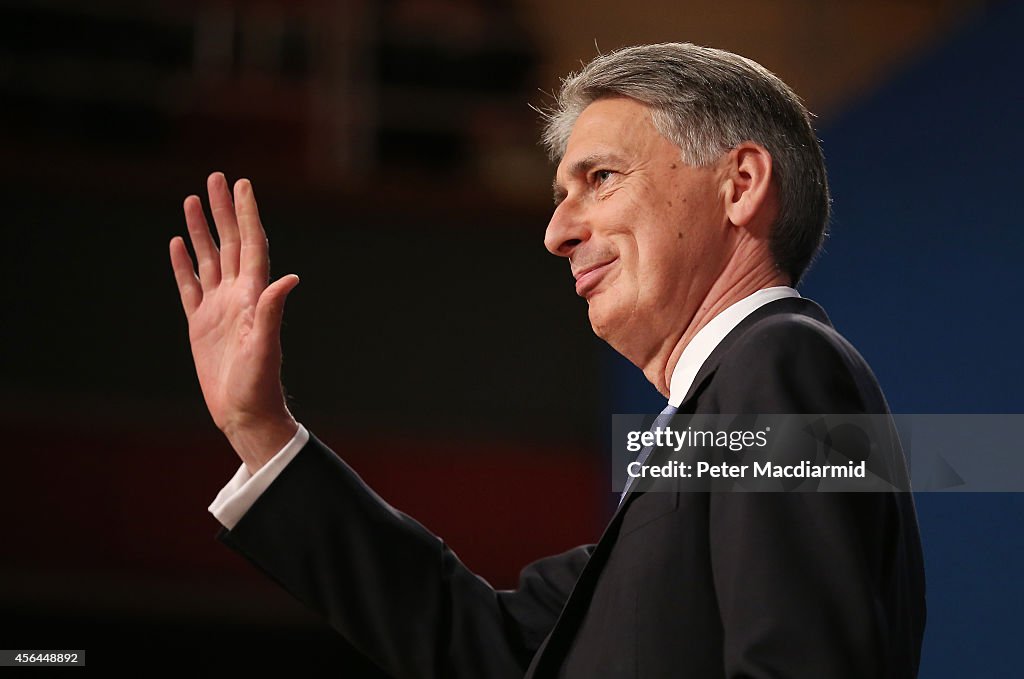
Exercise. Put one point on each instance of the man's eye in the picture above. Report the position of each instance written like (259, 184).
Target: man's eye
(601, 176)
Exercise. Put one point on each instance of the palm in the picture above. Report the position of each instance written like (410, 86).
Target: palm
(234, 317)
(220, 332)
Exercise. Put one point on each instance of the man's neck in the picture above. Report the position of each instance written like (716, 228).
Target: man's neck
(726, 291)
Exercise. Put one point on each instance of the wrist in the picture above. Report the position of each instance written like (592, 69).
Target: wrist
(256, 442)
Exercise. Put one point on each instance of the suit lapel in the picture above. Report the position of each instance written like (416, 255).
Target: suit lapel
(786, 305)
(556, 645)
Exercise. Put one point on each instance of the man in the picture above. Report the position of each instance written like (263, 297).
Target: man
(691, 196)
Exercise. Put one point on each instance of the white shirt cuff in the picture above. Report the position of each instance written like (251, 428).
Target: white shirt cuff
(242, 491)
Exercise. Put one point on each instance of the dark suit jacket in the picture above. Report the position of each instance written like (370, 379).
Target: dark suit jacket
(696, 584)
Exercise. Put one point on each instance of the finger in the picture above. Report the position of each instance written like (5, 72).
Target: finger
(270, 309)
(254, 259)
(227, 228)
(188, 285)
(202, 241)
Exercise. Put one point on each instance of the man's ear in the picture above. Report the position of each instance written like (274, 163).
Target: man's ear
(750, 200)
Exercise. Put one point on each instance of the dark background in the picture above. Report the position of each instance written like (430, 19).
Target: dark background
(433, 341)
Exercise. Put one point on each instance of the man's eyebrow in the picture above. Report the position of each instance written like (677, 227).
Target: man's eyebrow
(581, 167)
(558, 191)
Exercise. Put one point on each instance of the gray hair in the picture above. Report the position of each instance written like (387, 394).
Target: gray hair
(707, 101)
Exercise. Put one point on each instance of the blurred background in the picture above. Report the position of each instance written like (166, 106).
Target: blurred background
(433, 341)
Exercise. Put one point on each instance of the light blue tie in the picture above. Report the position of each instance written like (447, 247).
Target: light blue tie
(660, 421)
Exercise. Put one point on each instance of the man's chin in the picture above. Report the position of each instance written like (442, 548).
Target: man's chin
(604, 321)
(614, 324)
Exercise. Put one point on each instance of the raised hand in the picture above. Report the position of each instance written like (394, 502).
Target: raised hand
(234, 320)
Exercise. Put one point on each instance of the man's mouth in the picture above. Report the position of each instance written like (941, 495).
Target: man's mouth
(588, 278)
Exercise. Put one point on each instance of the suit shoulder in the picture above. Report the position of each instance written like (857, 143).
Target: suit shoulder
(795, 362)
(796, 335)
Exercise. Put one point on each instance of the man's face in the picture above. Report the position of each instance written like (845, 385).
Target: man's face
(646, 234)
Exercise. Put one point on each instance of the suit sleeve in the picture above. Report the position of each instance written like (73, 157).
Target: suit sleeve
(392, 588)
(801, 577)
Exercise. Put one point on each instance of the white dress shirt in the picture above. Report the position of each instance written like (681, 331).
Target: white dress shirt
(235, 499)
(709, 337)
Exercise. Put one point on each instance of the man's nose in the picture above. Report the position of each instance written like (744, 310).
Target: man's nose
(566, 230)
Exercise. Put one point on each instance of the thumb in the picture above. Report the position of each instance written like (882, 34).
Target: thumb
(270, 307)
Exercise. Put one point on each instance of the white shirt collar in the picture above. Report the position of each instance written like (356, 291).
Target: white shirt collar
(709, 337)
